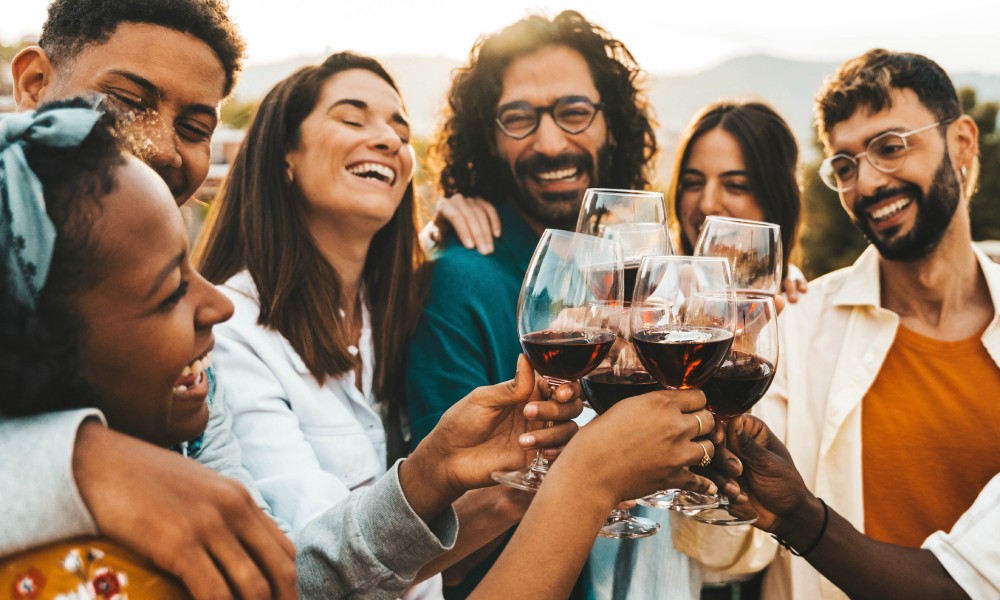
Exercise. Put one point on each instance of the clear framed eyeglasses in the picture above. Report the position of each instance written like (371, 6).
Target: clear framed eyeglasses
(572, 114)
(887, 153)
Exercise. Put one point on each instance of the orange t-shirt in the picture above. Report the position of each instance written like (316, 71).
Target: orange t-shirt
(930, 433)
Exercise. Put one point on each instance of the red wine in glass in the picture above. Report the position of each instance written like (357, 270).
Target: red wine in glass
(682, 357)
(603, 388)
(566, 355)
(739, 383)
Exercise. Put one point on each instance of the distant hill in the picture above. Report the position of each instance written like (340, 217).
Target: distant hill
(788, 85)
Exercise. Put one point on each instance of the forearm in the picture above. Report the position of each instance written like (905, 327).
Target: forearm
(865, 568)
(552, 543)
(483, 516)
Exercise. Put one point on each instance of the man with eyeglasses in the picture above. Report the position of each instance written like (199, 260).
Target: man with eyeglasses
(887, 392)
(545, 109)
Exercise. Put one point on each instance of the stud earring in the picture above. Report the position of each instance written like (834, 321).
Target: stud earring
(965, 172)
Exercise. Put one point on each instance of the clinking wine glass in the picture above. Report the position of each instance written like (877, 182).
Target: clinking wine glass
(742, 380)
(568, 316)
(638, 221)
(753, 249)
(682, 321)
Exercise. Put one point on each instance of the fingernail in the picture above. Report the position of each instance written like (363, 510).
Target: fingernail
(530, 411)
(712, 489)
(526, 440)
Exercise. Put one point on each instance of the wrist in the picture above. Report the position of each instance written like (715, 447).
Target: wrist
(802, 527)
(425, 484)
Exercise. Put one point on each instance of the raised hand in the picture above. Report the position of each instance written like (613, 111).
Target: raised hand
(474, 220)
(191, 522)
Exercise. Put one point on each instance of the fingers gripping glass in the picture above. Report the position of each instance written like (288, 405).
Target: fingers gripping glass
(572, 114)
(886, 153)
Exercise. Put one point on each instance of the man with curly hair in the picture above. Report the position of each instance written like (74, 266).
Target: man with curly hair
(544, 109)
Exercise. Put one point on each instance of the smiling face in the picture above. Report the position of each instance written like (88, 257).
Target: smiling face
(353, 161)
(171, 83)
(148, 318)
(714, 181)
(906, 213)
(551, 168)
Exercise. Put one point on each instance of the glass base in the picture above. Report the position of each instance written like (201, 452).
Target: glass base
(526, 479)
(718, 516)
(682, 500)
(621, 525)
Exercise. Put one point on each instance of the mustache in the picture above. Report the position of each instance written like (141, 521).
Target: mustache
(866, 202)
(537, 163)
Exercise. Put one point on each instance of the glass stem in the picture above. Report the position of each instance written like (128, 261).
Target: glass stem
(541, 464)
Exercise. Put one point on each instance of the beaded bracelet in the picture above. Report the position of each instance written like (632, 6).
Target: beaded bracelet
(822, 531)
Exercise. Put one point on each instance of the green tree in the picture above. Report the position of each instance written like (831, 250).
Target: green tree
(984, 210)
(237, 113)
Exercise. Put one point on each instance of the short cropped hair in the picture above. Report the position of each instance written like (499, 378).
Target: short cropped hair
(73, 25)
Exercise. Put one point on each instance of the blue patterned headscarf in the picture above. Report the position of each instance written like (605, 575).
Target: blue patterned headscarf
(27, 235)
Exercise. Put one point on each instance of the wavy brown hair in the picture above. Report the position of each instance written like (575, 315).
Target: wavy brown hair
(463, 148)
(771, 156)
(258, 223)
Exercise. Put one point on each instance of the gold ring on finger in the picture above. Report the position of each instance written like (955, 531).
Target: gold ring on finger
(700, 425)
(706, 459)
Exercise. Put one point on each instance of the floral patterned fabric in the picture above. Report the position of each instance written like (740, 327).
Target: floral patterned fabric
(84, 569)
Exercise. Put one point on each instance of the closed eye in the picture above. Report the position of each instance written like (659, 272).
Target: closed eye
(172, 300)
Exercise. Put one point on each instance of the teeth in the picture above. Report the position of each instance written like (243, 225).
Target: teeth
(181, 388)
(186, 371)
(383, 172)
(207, 360)
(556, 175)
(890, 209)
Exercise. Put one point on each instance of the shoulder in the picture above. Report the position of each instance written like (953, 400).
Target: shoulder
(456, 269)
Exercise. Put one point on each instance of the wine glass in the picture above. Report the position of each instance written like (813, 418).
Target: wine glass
(638, 221)
(568, 316)
(742, 380)
(682, 323)
(753, 249)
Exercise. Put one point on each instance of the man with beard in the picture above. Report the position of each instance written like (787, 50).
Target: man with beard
(545, 109)
(887, 390)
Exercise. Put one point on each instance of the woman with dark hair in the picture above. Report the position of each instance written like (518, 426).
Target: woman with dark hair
(738, 159)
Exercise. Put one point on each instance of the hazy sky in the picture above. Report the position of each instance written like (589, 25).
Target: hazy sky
(666, 36)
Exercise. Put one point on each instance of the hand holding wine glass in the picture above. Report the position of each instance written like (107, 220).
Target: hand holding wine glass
(568, 315)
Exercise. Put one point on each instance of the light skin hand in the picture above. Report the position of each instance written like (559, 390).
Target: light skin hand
(474, 220)
(794, 284)
(191, 522)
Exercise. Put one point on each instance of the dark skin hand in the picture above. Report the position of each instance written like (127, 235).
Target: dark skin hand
(193, 523)
(857, 564)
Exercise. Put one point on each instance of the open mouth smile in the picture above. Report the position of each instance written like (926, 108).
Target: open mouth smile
(372, 170)
(193, 374)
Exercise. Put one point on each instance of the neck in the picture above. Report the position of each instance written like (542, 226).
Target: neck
(346, 251)
(945, 294)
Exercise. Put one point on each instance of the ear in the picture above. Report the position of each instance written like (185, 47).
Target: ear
(964, 141)
(33, 74)
(289, 170)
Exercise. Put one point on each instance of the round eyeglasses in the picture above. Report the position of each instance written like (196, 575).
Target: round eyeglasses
(572, 114)
(886, 152)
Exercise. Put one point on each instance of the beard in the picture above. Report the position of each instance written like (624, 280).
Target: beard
(935, 210)
(554, 210)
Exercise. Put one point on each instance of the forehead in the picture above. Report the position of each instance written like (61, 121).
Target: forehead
(360, 84)
(183, 67)
(547, 74)
(905, 113)
(140, 227)
(716, 148)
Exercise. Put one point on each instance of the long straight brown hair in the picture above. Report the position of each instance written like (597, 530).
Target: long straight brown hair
(258, 223)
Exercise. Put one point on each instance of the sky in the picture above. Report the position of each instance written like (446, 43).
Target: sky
(666, 36)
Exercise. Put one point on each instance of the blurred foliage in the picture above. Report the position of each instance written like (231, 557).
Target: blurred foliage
(829, 241)
(237, 113)
(8, 51)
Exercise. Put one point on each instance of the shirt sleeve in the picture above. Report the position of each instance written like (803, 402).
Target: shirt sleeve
(371, 545)
(39, 499)
(970, 552)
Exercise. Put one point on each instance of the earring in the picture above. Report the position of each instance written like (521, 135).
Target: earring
(965, 172)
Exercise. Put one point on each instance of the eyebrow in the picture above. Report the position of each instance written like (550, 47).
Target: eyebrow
(733, 173)
(868, 140)
(150, 88)
(362, 105)
(164, 273)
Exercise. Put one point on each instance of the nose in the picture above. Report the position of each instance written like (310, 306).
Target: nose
(711, 199)
(213, 308)
(161, 150)
(869, 179)
(549, 139)
(386, 139)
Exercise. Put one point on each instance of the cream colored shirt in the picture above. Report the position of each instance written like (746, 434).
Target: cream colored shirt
(833, 342)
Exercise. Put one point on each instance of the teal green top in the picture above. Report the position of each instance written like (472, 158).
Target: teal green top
(467, 335)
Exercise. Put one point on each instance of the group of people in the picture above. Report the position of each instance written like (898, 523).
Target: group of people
(348, 398)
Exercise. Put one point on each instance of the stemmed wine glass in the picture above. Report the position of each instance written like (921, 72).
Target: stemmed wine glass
(682, 323)
(638, 221)
(742, 380)
(753, 249)
(568, 316)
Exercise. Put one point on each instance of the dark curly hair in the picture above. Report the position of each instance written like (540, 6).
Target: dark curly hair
(72, 25)
(39, 349)
(462, 149)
